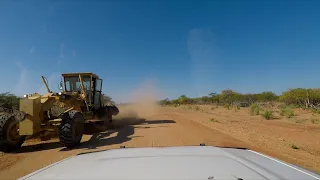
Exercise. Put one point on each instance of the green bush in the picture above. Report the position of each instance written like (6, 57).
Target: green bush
(294, 146)
(294, 97)
(9, 101)
(314, 120)
(213, 120)
(254, 109)
(267, 115)
(227, 106)
(317, 111)
(299, 121)
(287, 111)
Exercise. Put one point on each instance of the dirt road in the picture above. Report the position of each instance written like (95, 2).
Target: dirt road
(166, 127)
(159, 130)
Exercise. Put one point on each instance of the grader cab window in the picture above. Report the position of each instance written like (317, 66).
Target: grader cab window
(73, 83)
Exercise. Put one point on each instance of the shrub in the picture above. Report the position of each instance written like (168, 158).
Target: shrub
(287, 111)
(294, 146)
(227, 106)
(213, 120)
(316, 111)
(299, 121)
(267, 115)
(254, 109)
(9, 101)
(314, 120)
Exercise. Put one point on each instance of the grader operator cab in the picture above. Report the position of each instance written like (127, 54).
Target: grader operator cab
(80, 99)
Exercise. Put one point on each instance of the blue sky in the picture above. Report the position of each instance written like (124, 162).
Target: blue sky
(182, 47)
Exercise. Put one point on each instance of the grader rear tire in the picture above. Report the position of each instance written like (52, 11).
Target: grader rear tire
(9, 133)
(71, 129)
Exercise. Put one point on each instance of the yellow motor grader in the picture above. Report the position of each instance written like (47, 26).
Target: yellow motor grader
(80, 100)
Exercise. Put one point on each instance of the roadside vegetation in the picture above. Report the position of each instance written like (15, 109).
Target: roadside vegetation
(8, 102)
(299, 97)
(267, 104)
(268, 115)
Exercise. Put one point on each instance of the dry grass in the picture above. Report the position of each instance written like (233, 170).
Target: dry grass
(274, 135)
(287, 112)
(267, 115)
(294, 146)
(213, 120)
(314, 120)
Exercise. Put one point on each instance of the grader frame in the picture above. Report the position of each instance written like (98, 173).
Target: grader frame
(81, 99)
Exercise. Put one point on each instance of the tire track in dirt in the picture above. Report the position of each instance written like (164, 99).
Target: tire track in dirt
(199, 133)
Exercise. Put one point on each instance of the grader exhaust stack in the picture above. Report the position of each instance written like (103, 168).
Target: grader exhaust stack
(81, 99)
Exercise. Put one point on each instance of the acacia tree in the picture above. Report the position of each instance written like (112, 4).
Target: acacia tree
(301, 96)
(214, 97)
(267, 96)
(9, 101)
(294, 96)
(183, 99)
(165, 102)
(227, 96)
(107, 99)
(297, 96)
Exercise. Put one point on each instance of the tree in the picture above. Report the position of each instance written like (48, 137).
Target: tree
(227, 96)
(206, 99)
(183, 99)
(301, 96)
(294, 96)
(214, 97)
(165, 102)
(107, 100)
(9, 101)
(267, 96)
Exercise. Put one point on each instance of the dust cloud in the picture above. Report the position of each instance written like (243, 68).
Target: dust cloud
(143, 101)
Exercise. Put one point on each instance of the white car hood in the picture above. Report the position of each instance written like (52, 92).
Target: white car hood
(188, 162)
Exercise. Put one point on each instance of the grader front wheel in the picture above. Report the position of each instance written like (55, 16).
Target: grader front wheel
(71, 129)
(9, 133)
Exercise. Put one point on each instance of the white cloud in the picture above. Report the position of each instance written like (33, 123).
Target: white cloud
(32, 49)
